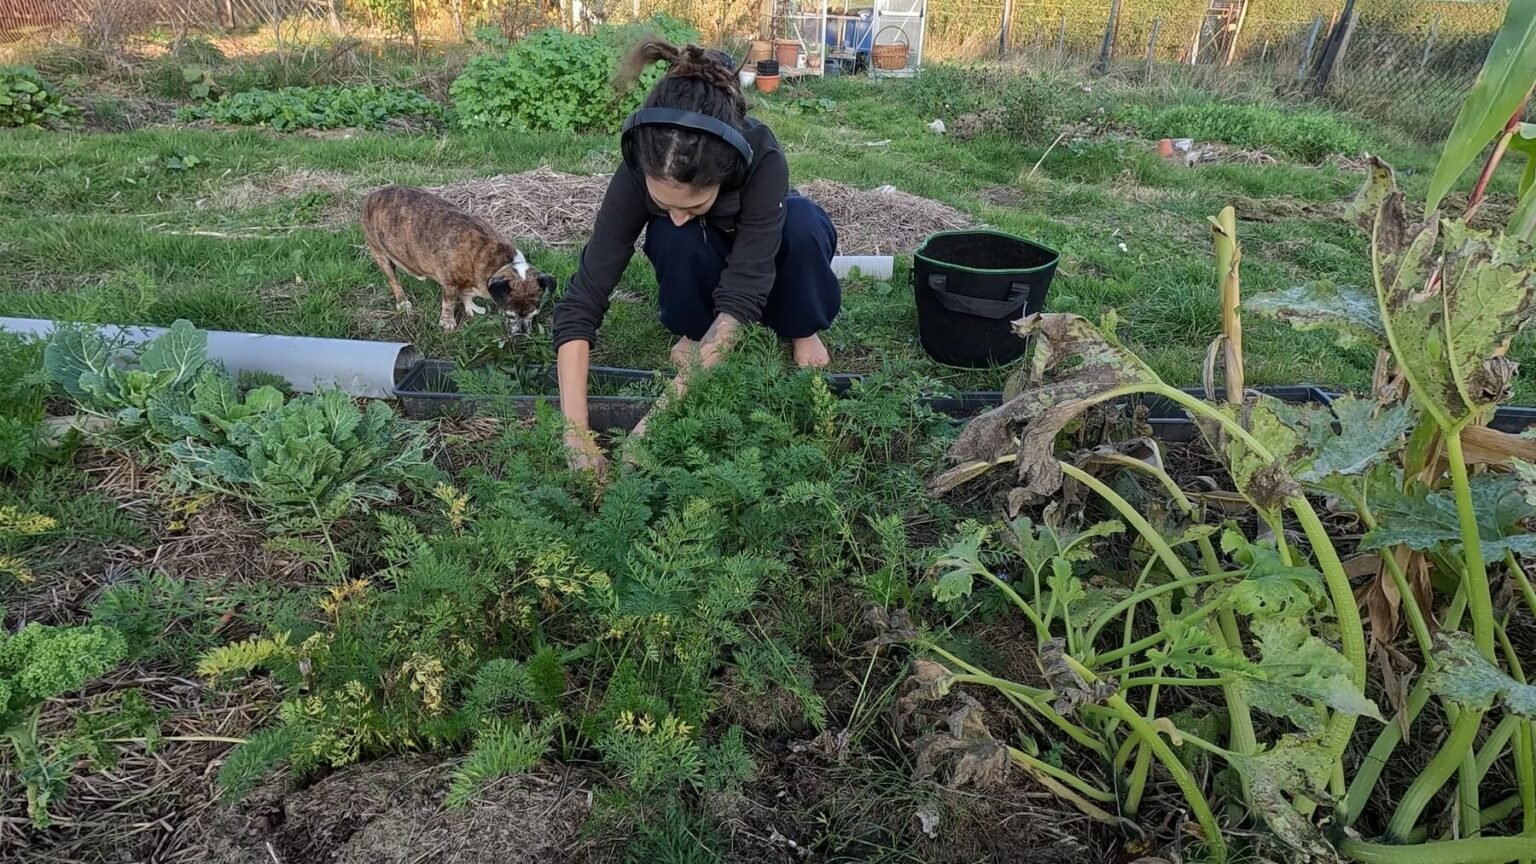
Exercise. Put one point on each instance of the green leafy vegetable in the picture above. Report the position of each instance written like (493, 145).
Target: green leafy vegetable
(26, 100)
(291, 108)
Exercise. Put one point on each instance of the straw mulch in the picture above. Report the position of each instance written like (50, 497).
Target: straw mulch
(555, 209)
(883, 221)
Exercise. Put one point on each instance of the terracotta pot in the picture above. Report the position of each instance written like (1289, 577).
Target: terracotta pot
(1165, 148)
(760, 49)
(767, 83)
(788, 53)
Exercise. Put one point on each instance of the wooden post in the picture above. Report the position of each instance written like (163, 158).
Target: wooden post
(1007, 31)
(1237, 33)
(1061, 38)
(1429, 45)
(229, 14)
(1157, 26)
(1338, 46)
(1108, 48)
(1194, 45)
(1306, 53)
(333, 12)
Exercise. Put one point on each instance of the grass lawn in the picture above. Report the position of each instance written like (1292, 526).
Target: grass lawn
(116, 228)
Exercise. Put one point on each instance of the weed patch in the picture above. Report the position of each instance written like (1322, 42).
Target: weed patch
(294, 108)
(1308, 135)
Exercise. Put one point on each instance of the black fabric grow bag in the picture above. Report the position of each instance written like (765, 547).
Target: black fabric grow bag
(970, 286)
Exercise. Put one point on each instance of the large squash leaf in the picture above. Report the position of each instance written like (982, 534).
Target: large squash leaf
(1270, 586)
(1302, 674)
(1293, 767)
(1451, 304)
(1464, 676)
(1501, 86)
(1423, 520)
(1348, 439)
(1347, 310)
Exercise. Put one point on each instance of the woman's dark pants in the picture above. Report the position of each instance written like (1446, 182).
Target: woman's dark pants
(806, 295)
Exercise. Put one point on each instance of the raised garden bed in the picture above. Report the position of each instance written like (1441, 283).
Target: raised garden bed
(429, 390)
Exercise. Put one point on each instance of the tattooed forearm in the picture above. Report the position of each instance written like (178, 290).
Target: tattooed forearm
(720, 333)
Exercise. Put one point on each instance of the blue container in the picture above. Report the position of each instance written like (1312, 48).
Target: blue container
(859, 36)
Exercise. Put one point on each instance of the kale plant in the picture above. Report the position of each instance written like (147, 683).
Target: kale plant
(39, 663)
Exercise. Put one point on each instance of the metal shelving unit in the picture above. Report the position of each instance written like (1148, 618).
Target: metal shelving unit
(899, 21)
(806, 23)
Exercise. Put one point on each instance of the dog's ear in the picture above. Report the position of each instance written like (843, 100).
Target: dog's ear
(547, 283)
(500, 287)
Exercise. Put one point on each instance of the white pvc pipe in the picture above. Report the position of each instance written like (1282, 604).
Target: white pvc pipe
(364, 369)
(873, 266)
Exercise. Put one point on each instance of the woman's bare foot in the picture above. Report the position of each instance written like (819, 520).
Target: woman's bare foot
(810, 353)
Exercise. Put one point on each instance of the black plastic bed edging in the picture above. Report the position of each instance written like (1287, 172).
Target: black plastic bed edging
(1513, 419)
(428, 390)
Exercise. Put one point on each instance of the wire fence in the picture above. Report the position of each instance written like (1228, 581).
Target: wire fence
(1377, 56)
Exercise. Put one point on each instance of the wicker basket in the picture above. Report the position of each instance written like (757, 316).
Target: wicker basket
(890, 57)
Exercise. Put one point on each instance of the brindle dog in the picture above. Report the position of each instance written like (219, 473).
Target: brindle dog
(429, 238)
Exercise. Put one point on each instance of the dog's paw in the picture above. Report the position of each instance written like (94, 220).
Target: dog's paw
(471, 309)
(448, 323)
(403, 306)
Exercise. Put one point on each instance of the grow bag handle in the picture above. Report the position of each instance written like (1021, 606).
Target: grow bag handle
(978, 306)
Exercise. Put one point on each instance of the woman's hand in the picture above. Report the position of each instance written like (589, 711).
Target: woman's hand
(718, 340)
(584, 453)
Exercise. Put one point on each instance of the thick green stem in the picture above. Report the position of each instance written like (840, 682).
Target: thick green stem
(1494, 746)
(1470, 813)
(1474, 574)
(1434, 776)
(1240, 735)
(1351, 631)
(1159, 546)
(1138, 781)
(1522, 579)
(1368, 774)
(1118, 609)
(1020, 690)
(1160, 637)
(1475, 850)
(1525, 774)
(1167, 681)
(1073, 731)
(1066, 777)
(1171, 763)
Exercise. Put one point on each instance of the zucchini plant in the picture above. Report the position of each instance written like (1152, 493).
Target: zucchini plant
(1270, 623)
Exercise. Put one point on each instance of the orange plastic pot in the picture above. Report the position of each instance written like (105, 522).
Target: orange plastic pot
(767, 83)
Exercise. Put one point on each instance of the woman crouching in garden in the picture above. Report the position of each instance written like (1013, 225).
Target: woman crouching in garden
(732, 246)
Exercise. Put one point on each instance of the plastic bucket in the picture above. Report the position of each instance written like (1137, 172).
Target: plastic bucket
(970, 286)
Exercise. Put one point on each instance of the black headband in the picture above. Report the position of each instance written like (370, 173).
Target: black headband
(690, 120)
